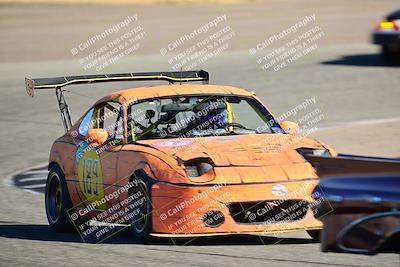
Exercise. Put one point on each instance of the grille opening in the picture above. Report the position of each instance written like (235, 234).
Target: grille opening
(269, 211)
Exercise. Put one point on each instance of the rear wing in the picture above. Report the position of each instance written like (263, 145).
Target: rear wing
(58, 83)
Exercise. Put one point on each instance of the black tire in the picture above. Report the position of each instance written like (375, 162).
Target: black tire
(315, 234)
(141, 222)
(386, 54)
(391, 54)
(57, 201)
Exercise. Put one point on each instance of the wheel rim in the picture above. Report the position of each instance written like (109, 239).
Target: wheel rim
(54, 198)
(140, 220)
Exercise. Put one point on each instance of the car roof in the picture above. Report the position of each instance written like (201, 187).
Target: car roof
(130, 95)
(394, 15)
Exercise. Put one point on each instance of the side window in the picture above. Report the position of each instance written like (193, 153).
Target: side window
(107, 116)
(86, 123)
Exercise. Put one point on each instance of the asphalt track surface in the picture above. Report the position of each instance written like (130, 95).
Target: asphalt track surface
(357, 93)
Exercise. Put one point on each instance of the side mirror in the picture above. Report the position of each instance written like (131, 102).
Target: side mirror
(96, 137)
(290, 127)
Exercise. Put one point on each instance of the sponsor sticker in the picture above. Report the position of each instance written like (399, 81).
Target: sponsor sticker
(279, 190)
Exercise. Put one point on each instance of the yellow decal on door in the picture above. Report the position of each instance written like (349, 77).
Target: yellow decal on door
(90, 176)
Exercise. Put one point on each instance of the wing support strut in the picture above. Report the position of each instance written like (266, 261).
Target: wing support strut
(64, 110)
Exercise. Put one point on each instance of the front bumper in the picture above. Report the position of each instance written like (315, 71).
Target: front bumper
(213, 209)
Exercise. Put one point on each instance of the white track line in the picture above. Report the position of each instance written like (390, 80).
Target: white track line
(34, 186)
(36, 172)
(29, 179)
(357, 123)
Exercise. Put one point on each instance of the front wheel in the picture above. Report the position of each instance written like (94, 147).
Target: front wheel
(141, 208)
(57, 201)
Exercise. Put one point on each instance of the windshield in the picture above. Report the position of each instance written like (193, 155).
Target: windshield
(195, 116)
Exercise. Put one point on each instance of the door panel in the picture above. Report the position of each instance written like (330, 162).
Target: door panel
(95, 167)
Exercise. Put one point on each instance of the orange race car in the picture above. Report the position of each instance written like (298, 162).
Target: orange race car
(178, 160)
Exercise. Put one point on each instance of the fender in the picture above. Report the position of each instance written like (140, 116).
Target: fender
(62, 153)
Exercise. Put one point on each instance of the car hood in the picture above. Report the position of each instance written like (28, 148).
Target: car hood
(238, 150)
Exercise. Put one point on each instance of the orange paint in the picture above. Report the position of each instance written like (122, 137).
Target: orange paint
(247, 168)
